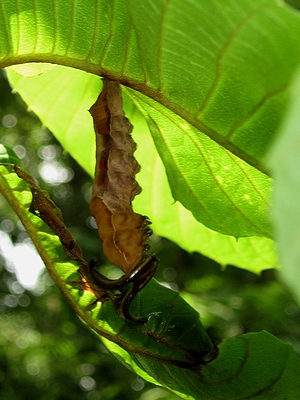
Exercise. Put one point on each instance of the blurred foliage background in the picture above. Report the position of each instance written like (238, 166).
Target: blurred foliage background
(45, 351)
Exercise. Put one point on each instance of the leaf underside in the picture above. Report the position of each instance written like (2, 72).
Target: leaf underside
(169, 219)
(210, 66)
(210, 63)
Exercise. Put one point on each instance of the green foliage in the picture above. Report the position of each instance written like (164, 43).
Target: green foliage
(203, 76)
(169, 219)
(158, 350)
(294, 3)
(226, 197)
(284, 163)
(226, 88)
(7, 155)
(226, 194)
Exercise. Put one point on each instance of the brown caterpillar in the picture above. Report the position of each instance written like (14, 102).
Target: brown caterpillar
(124, 233)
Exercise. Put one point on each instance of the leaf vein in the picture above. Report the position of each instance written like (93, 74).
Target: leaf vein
(223, 51)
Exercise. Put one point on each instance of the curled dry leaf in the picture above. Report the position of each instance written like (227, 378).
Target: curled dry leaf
(124, 233)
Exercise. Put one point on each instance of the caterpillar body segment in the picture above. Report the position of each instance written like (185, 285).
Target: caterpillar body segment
(123, 232)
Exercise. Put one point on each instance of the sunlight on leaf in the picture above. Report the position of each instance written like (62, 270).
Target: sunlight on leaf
(216, 71)
(284, 162)
(223, 192)
(169, 219)
(32, 69)
(211, 64)
(221, 81)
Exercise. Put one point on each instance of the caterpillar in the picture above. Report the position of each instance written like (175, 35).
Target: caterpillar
(123, 232)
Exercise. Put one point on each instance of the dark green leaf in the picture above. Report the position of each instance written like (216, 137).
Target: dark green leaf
(7, 155)
(255, 365)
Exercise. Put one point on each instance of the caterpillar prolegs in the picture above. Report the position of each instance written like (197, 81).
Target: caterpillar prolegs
(123, 232)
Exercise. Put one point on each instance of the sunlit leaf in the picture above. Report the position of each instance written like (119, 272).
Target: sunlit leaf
(75, 131)
(211, 69)
(208, 62)
(284, 161)
(7, 155)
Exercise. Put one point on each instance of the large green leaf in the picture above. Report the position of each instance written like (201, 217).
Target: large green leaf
(284, 160)
(222, 191)
(256, 365)
(209, 62)
(73, 128)
(146, 48)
